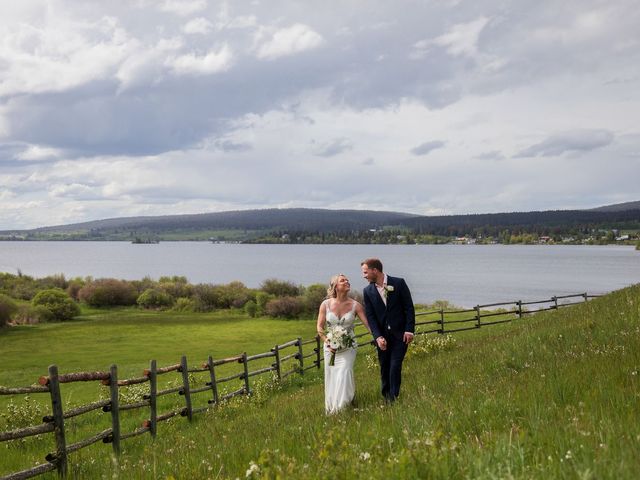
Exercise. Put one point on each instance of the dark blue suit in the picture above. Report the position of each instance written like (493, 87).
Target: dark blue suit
(390, 321)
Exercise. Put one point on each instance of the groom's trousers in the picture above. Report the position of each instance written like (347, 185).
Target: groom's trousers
(391, 367)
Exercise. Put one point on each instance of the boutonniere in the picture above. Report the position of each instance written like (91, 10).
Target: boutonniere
(388, 289)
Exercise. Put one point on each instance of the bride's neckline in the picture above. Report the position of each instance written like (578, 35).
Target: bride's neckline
(350, 301)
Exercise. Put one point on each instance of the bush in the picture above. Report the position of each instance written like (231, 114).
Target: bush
(53, 281)
(144, 284)
(153, 298)
(175, 286)
(29, 315)
(61, 306)
(73, 288)
(206, 297)
(285, 307)
(7, 308)
(209, 297)
(251, 308)
(280, 288)
(184, 305)
(314, 295)
(18, 286)
(108, 292)
(234, 294)
(262, 298)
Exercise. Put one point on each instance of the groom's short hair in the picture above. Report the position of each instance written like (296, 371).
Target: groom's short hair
(373, 263)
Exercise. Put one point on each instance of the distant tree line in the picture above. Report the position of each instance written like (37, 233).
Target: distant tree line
(349, 226)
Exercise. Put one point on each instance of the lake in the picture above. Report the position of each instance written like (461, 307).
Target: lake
(465, 275)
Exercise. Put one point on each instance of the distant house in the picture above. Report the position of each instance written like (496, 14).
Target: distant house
(544, 239)
(464, 241)
(622, 238)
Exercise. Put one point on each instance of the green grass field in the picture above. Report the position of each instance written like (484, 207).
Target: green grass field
(554, 395)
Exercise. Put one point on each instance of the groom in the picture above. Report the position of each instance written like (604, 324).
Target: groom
(389, 309)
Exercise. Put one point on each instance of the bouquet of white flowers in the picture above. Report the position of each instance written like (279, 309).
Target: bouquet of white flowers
(339, 338)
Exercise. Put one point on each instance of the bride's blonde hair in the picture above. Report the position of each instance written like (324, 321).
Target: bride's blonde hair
(333, 283)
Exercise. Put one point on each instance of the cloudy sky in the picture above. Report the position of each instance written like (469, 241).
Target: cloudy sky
(155, 107)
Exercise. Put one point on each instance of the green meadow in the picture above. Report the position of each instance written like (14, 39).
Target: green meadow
(553, 395)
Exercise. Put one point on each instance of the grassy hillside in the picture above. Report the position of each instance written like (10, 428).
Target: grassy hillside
(555, 395)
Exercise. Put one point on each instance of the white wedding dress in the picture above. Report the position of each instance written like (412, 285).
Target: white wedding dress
(339, 383)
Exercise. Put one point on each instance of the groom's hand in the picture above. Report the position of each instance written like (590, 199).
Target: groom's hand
(408, 337)
(382, 343)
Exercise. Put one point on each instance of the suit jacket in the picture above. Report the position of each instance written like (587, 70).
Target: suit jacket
(394, 318)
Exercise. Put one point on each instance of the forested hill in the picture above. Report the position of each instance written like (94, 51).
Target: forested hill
(225, 225)
(302, 225)
(542, 223)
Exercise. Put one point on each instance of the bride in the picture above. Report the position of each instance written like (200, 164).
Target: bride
(339, 310)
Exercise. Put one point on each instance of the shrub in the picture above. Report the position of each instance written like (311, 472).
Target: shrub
(175, 286)
(18, 286)
(285, 307)
(280, 288)
(234, 294)
(61, 306)
(184, 305)
(7, 308)
(144, 284)
(108, 292)
(262, 298)
(73, 288)
(251, 308)
(30, 314)
(153, 298)
(314, 295)
(206, 297)
(53, 281)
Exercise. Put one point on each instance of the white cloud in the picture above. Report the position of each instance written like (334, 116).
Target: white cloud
(462, 39)
(183, 7)
(288, 41)
(198, 25)
(36, 153)
(147, 64)
(212, 62)
(225, 20)
(60, 55)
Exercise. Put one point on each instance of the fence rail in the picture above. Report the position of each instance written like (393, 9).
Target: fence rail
(55, 422)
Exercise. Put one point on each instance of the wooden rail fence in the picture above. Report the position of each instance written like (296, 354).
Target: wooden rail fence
(283, 355)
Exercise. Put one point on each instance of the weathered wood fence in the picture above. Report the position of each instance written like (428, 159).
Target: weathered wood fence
(288, 358)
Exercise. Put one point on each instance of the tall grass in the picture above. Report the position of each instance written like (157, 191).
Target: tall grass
(555, 395)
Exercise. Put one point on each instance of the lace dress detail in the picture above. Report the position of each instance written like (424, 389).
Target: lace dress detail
(339, 382)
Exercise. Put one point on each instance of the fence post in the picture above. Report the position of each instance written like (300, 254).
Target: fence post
(185, 386)
(555, 302)
(442, 321)
(478, 324)
(300, 356)
(58, 421)
(115, 409)
(276, 351)
(519, 302)
(247, 390)
(318, 350)
(586, 297)
(212, 375)
(153, 398)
